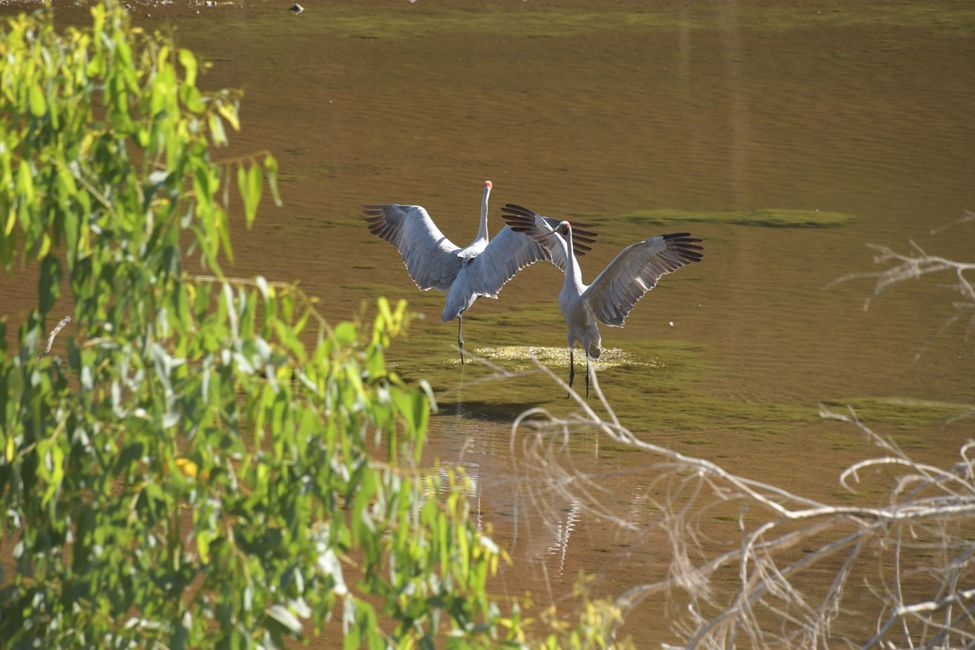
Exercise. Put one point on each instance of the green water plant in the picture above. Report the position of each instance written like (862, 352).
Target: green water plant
(767, 218)
(188, 459)
(903, 412)
(402, 21)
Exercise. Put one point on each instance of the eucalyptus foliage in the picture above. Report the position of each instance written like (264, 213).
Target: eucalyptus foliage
(198, 460)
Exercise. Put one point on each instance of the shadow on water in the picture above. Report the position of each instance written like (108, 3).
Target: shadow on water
(485, 410)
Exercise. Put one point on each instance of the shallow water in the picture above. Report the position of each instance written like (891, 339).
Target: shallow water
(738, 121)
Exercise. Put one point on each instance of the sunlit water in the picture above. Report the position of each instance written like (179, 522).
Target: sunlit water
(576, 109)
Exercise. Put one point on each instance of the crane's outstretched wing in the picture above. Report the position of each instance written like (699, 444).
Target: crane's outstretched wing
(429, 256)
(635, 271)
(507, 253)
(538, 227)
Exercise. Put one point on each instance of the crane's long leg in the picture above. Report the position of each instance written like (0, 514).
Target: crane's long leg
(460, 338)
(587, 375)
(572, 368)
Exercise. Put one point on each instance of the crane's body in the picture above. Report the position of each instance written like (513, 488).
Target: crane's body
(616, 290)
(481, 268)
(577, 312)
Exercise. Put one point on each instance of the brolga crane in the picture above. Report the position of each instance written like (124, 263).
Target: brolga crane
(481, 268)
(615, 291)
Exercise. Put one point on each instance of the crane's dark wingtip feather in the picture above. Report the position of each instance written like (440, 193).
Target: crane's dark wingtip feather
(514, 208)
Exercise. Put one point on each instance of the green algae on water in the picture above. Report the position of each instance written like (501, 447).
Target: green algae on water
(523, 356)
(411, 21)
(903, 412)
(767, 218)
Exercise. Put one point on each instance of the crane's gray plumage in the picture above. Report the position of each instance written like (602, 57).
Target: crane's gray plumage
(615, 291)
(481, 268)
(430, 258)
(635, 271)
(536, 226)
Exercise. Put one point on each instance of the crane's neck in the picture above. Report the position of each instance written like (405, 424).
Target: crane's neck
(573, 274)
(482, 231)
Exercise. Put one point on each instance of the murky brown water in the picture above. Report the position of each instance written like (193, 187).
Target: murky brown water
(578, 109)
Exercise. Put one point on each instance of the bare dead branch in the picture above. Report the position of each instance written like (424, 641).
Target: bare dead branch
(782, 536)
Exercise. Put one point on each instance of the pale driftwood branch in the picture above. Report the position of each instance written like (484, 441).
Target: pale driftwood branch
(913, 265)
(923, 608)
(965, 218)
(927, 504)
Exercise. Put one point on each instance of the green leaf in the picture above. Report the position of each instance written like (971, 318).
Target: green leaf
(245, 196)
(271, 169)
(283, 615)
(229, 113)
(188, 61)
(45, 245)
(203, 539)
(253, 192)
(49, 283)
(193, 99)
(38, 106)
(25, 181)
(217, 133)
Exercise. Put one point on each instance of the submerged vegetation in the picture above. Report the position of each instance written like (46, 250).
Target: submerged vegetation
(903, 412)
(411, 20)
(768, 218)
